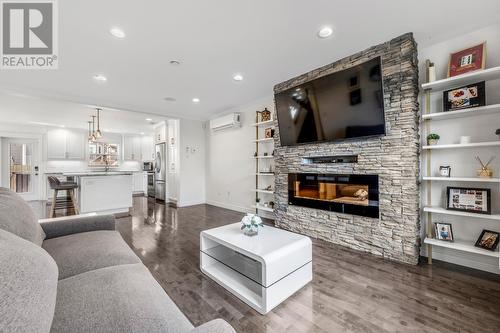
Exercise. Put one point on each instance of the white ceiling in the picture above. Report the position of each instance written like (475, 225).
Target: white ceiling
(268, 41)
(44, 112)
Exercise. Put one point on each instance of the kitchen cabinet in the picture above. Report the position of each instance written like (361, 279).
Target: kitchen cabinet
(160, 133)
(65, 144)
(132, 148)
(147, 148)
(145, 182)
(138, 182)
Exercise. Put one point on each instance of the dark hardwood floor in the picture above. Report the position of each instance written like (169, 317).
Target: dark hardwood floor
(350, 291)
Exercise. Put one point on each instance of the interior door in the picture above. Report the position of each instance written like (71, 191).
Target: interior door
(23, 167)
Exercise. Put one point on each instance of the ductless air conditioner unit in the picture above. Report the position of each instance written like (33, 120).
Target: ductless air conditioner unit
(228, 121)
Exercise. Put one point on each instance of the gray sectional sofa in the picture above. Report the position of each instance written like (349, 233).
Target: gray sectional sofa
(76, 274)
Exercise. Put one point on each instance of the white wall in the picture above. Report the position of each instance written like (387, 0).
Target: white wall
(230, 163)
(191, 163)
(462, 161)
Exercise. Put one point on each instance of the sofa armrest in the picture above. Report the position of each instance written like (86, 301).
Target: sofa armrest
(62, 226)
(214, 326)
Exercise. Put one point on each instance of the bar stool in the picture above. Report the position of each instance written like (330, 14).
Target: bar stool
(56, 185)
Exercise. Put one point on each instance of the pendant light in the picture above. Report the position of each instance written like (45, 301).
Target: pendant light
(90, 131)
(93, 129)
(98, 133)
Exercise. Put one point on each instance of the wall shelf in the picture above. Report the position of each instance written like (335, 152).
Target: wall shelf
(462, 179)
(262, 191)
(463, 246)
(264, 174)
(463, 145)
(266, 209)
(440, 210)
(264, 140)
(264, 157)
(269, 123)
(482, 110)
(431, 151)
(460, 80)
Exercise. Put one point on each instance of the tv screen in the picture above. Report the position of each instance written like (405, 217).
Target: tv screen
(342, 105)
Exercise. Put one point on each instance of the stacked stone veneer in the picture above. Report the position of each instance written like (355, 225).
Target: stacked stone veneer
(394, 157)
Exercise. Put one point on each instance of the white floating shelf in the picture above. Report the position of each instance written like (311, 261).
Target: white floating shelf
(264, 140)
(262, 191)
(264, 174)
(482, 110)
(264, 123)
(460, 80)
(460, 245)
(463, 145)
(440, 210)
(463, 179)
(263, 157)
(266, 209)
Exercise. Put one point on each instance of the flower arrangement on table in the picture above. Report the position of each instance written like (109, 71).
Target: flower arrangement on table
(250, 224)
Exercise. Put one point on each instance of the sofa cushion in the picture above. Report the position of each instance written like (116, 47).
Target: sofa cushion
(123, 298)
(28, 285)
(17, 217)
(86, 251)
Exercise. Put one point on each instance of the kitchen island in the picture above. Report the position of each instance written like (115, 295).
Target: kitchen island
(103, 192)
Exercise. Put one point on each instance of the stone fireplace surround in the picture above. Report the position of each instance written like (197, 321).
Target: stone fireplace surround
(394, 158)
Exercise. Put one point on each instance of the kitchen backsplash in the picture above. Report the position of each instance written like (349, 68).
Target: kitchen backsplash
(74, 166)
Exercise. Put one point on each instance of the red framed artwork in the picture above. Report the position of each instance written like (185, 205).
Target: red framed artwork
(468, 60)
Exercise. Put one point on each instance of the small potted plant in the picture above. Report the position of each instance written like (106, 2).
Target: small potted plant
(250, 224)
(497, 132)
(432, 139)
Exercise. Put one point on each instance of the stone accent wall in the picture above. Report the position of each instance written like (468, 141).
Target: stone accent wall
(394, 157)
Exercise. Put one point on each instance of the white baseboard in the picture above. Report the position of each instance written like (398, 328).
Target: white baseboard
(230, 206)
(190, 203)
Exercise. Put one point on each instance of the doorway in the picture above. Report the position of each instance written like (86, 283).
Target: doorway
(20, 167)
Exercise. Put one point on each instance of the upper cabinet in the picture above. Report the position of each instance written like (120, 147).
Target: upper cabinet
(147, 148)
(138, 148)
(63, 144)
(160, 133)
(132, 148)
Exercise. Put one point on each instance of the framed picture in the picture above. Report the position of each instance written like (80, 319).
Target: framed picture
(468, 60)
(445, 171)
(444, 231)
(269, 133)
(470, 96)
(472, 200)
(488, 240)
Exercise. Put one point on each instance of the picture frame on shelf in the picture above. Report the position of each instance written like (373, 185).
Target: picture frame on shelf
(269, 133)
(471, 200)
(445, 171)
(488, 240)
(443, 231)
(465, 97)
(467, 60)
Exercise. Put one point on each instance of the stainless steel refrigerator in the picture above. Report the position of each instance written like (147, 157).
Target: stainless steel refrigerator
(160, 171)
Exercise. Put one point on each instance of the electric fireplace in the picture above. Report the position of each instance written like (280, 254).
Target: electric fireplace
(348, 194)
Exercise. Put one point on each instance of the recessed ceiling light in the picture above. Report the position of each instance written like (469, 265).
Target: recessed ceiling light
(196, 100)
(325, 32)
(175, 62)
(149, 119)
(117, 32)
(238, 77)
(100, 78)
(170, 99)
(142, 133)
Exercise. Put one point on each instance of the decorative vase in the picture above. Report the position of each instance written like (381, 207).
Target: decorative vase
(251, 231)
(432, 142)
(485, 173)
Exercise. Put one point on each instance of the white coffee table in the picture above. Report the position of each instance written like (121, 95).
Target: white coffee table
(261, 270)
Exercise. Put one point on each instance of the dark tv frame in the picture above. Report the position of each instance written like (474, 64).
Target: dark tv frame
(382, 87)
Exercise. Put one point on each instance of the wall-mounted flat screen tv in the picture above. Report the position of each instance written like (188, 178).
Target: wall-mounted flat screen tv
(343, 105)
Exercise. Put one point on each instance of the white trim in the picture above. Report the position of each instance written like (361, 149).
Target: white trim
(181, 204)
(236, 208)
